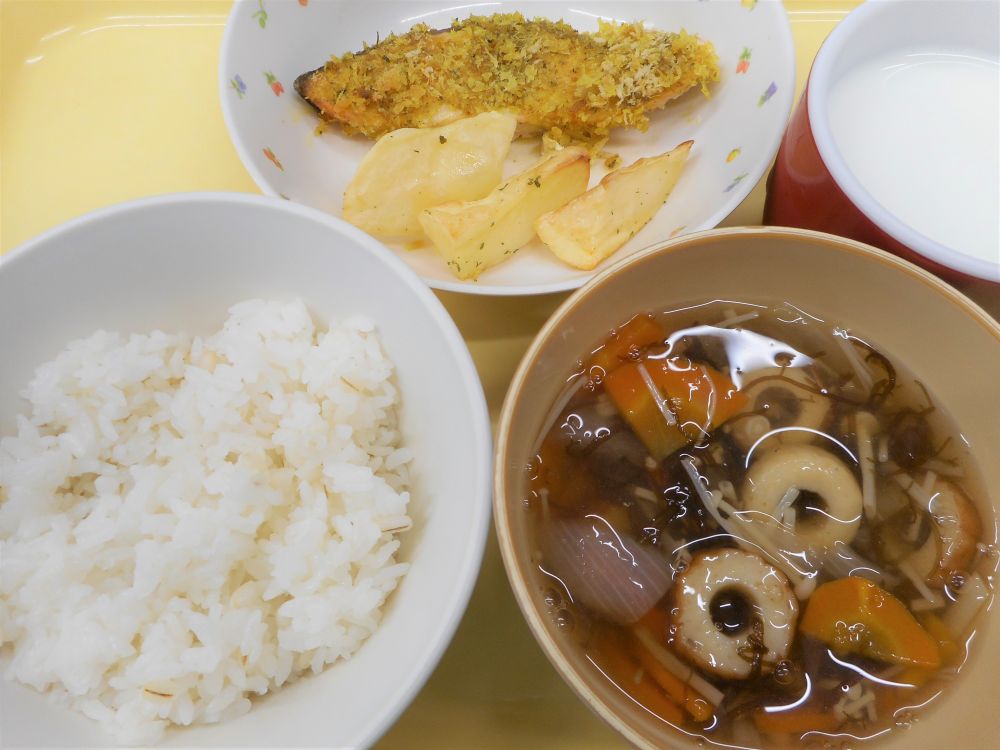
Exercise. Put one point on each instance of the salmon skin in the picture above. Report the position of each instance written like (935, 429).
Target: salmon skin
(574, 86)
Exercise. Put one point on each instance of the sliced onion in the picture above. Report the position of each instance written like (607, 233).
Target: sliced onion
(605, 570)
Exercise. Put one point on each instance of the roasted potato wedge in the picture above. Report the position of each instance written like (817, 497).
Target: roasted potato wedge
(590, 228)
(411, 169)
(474, 235)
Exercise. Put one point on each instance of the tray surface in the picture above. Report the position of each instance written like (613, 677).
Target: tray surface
(135, 118)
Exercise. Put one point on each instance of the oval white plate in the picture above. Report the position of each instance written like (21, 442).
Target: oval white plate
(269, 43)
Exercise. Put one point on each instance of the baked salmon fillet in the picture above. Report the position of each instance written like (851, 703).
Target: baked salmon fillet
(574, 86)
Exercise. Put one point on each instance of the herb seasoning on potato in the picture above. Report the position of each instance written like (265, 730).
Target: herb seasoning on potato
(475, 235)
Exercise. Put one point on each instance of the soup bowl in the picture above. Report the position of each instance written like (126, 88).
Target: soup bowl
(947, 341)
(178, 263)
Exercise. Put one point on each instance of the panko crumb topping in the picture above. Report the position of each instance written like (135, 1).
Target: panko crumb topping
(573, 86)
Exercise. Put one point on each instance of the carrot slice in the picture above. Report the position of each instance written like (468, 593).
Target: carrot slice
(632, 678)
(796, 721)
(914, 676)
(649, 694)
(681, 693)
(648, 412)
(853, 615)
(670, 405)
(640, 331)
(656, 621)
(950, 650)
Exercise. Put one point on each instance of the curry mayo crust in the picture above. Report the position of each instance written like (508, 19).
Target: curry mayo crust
(574, 86)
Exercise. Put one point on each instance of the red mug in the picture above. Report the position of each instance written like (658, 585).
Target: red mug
(811, 185)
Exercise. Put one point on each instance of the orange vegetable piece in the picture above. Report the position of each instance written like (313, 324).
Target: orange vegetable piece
(853, 615)
(640, 331)
(669, 405)
(631, 677)
(649, 694)
(680, 692)
(950, 650)
(914, 676)
(656, 621)
(566, 482)
(658, 430)
(888, 699)
(797, 721)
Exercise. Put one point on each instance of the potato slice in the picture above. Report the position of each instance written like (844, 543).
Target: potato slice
(474, 235)
(411, 169)
(590, 228)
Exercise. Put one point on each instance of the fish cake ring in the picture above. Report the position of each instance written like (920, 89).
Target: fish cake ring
(836, 497)
(734, 614)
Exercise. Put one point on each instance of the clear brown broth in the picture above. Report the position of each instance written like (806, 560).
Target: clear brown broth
(594, 470)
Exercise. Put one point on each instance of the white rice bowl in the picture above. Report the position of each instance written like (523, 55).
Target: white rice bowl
(188, 522)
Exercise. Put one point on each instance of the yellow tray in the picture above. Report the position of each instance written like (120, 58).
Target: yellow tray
(108, 100)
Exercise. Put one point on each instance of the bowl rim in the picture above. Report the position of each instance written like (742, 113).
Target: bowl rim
(818, 86)
(524, 597)
(782, 44)
(476, 409)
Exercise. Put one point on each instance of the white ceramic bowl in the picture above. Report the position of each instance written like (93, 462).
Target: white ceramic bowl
(177, 263)
(268, 43)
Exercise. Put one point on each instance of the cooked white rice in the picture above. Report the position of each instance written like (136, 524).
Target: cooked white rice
(186, 523)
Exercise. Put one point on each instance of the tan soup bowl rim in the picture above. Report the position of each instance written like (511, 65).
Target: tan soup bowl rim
(519, 581)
